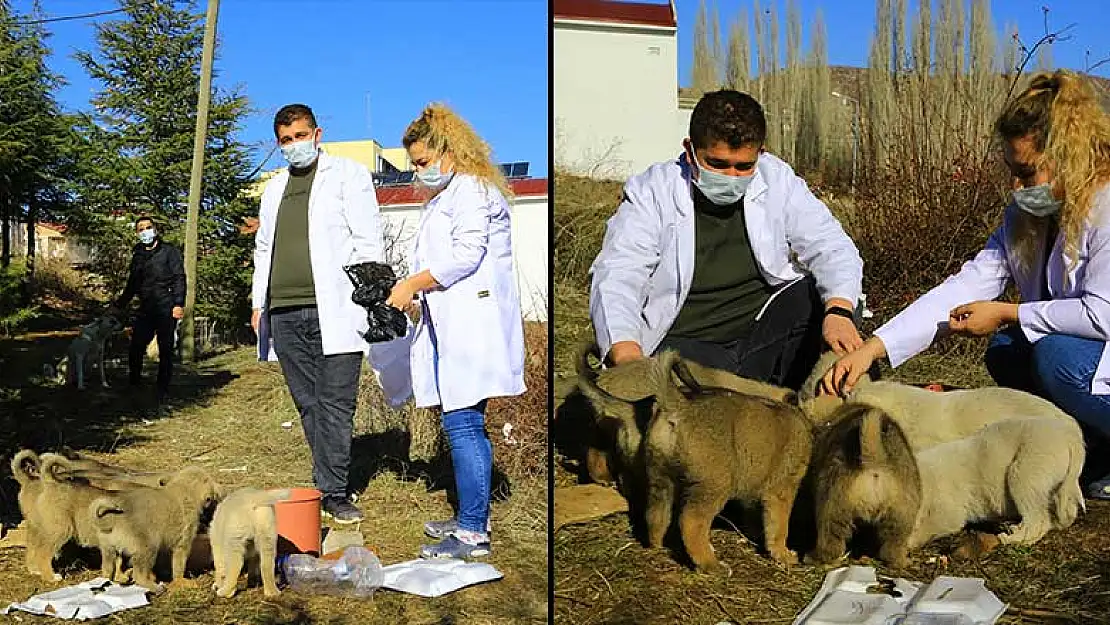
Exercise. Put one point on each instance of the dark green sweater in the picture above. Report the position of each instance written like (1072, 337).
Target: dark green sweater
(291, 281)
(727, 289)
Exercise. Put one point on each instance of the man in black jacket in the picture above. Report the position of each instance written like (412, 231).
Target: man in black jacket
(157, 276)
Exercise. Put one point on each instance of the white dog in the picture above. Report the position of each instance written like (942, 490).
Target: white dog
(244, 528)
(929, 417)
(89, 346)
(1027, 468)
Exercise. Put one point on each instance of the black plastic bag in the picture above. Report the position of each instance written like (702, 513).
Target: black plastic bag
(373, 282)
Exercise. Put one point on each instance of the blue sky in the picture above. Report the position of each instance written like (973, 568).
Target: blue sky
(850, 23)
(485, 58)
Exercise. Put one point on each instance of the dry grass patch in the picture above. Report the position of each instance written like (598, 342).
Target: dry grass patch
(236, 433)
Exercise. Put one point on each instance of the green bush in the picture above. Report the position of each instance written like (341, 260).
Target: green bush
(13, 314)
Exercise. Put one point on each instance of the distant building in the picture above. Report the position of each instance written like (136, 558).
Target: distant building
(400, 207)
(52, 242)
(616, 86)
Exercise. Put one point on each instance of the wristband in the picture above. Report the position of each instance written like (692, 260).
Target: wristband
(840, 311)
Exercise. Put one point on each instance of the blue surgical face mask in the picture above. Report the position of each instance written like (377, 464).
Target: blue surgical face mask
(146, 237)
(721, 189)
(1038, 201)
(300, 154)
(432, 177)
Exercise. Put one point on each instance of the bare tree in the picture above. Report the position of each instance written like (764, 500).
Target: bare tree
(704, 71)
(739, 55)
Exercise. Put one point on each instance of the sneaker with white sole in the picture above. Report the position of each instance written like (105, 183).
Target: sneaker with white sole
(440, 529)
(340, 510)
(453, 547)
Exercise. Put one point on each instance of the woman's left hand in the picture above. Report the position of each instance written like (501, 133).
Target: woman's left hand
(981, 318)
(401, 296)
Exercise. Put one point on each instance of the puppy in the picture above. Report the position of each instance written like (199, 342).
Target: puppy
(710, 447)
(142, 522)
(864, 471)
(89, 346)
(56, 512)
(927, 417)
(26, 468)
(1020, 468)
(621, 398)
(245, 527)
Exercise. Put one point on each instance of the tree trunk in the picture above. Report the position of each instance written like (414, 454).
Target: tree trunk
(29, 281)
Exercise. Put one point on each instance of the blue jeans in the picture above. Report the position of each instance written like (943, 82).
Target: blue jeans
(472, 459)
(1059, 367)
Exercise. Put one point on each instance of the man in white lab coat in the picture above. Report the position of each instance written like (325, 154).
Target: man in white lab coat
(317, 216)
(725, 255)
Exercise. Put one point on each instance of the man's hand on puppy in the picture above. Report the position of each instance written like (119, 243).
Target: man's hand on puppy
(625, 351)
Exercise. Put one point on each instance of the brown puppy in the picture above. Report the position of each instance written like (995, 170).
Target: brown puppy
(705, 449)
(621, 398)
(56, 511)
(142, 522)
(864, 471)
(245, 528)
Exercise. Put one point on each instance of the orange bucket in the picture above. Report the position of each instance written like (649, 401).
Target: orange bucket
(298, 522)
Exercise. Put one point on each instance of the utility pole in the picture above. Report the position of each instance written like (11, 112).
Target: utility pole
(188, 334)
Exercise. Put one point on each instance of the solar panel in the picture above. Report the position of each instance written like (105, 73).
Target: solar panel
(405, 177)
(520, 170)
(506, 169)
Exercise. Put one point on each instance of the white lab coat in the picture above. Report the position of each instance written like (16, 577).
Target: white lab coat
(643, 273)
(343, 229)
(469, 343)
(1080, 295)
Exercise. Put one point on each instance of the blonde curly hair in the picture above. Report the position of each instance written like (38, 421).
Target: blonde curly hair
(1061, 112)
(444, 132)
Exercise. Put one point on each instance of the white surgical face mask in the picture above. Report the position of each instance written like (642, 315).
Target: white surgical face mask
(721, 189)
(1037, 201)
(300, 154)
(432, 177)
(147, 236)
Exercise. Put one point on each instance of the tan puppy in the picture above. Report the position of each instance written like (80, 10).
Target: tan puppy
(56, 512)
(1027, 468)
(864, 471)
(245, 528)
(620, 424)
(142, 522)
(26, 468)
(711, 447)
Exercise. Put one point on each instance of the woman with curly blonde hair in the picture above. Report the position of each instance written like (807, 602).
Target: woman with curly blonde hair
(1053, 244)
(468, 345)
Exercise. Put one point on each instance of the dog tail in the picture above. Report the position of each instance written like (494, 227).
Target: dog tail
(269, 497)
(1069, 495)
(667, 394)
(871, 448)
(26, 467)
(103, 511)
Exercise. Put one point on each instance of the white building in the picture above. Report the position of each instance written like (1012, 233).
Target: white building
(616, 86)
(400, 209)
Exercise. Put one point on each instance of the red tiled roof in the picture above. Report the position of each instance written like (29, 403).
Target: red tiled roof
(618, 12)
(407, 194)
(400, 195)
(59, 228)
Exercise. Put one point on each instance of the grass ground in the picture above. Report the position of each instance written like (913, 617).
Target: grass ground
(602, 573)
(227, 417)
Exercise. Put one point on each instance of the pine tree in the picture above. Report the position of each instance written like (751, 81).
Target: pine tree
(140, 150)
(33, 131)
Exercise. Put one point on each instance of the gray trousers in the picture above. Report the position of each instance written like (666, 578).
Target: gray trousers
(325, 391)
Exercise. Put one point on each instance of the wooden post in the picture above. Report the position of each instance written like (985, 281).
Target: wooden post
(188, 345)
